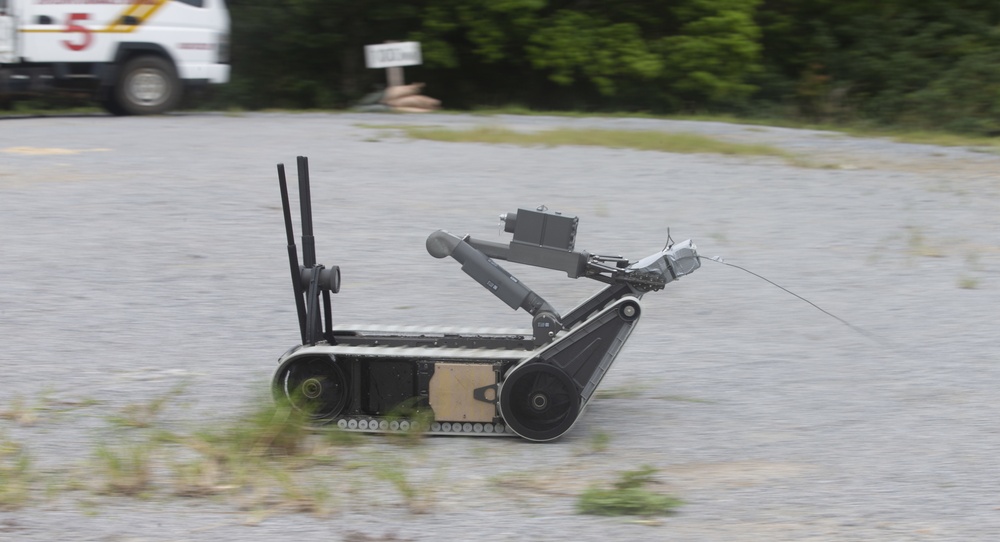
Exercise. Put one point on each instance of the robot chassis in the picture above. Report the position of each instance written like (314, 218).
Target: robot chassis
(457, 381)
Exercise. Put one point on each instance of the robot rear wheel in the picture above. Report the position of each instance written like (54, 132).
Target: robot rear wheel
(314, 385)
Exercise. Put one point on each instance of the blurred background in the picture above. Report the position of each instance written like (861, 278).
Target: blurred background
(933, 63)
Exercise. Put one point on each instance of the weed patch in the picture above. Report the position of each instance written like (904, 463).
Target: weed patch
(268, 460)
(617, 139)
(127, 470)
(918, 245)
(628, 497)
(968, 283)
(20, 413)
(278, 430)
(15, 474)
(631, 391)
(599, 441)
(144, 415)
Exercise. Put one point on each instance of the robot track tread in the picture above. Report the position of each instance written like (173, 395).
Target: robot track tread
(370, 424)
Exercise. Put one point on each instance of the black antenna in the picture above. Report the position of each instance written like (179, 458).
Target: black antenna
(293, 257)
(305, 200)
(312, 309)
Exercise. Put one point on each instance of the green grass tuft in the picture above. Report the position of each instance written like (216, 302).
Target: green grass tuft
(599, 441)
(918, 245)
(396, 475)
(628, 497)
(854, 129)
(127, 469)
(144, 415)
(968, 283)
(15, 475)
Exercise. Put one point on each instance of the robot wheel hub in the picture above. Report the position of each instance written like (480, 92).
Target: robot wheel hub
(539, 401)
(312, 388)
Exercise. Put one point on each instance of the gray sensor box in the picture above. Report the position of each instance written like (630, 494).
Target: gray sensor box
(542, 228)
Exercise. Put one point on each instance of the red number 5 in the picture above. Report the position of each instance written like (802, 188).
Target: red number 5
(72, 26)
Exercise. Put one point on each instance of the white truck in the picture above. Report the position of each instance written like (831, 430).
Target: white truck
(135, 56)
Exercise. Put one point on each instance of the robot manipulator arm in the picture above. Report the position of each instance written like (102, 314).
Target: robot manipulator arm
(498, 281)
(546, 239)
(487, 272)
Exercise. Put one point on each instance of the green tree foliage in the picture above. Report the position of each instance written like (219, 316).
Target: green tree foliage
(931, 63)
(716, 48)
(574, 44)
(656, 53)
(651, 53)
(309, 53)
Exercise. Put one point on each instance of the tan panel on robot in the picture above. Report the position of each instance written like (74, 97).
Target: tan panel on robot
(451, 388)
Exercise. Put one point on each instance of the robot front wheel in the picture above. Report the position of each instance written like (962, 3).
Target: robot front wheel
(539, 401)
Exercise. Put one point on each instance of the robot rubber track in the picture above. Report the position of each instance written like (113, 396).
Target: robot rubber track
(459, 381)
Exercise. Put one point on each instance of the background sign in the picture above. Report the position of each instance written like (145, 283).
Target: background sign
(389, 55)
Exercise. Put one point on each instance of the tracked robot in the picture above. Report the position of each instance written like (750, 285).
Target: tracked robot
(459, 382)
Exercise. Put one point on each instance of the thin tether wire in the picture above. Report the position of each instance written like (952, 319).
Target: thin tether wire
(882, 341)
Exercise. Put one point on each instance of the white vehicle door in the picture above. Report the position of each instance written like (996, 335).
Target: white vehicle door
(85, 30)
(8, 32)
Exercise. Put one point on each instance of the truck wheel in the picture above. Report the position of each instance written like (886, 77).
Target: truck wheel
(148, 86)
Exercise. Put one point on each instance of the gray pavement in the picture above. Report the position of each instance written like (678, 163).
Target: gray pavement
(141, 254)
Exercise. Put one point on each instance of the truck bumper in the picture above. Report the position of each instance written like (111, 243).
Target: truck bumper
(211, 73)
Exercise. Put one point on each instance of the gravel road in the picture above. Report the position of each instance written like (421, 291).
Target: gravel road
(144, 254)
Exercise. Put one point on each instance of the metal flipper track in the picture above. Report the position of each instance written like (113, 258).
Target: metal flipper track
(542, 397)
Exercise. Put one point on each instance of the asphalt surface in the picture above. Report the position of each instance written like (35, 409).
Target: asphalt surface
(145, 254)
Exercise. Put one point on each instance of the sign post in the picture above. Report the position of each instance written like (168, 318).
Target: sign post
(393, 56)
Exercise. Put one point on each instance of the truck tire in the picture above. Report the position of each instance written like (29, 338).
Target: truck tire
(148, 85)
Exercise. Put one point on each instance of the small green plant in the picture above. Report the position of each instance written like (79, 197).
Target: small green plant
(631, 391)
(599, 441)
(809, 163)
(628, 497)
(15, 474)
(298, 496)
(198, 478)
(269, 430)
(127, 469)
(143, 415)
(391, 472)
(393, 469)
(919, 246)
(968, 283)
(20, 413)
(255, 456)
